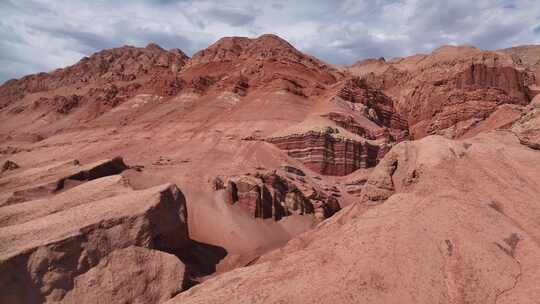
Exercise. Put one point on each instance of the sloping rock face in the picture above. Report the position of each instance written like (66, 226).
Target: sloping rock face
(527, 57)
(527, 127)
(48, 184)
(471, 241)
(21, 212)
(378, 107)
(449, 90)
(133, 274)
(269, 195)
(45, 258)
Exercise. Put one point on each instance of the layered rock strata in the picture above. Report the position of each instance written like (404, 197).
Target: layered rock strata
(449, 90)
(327, 153)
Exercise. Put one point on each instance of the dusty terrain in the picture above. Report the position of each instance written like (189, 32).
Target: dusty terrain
(254, 173)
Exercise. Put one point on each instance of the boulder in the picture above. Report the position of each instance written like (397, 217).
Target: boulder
(43, 258)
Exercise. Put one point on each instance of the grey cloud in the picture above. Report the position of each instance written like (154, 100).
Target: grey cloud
(277, 6)
(497, 36)
(168, 41)
(350, 45)
(42, 35)
(231, 16)
(84, 42)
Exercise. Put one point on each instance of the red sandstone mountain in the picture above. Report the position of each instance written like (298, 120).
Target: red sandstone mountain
(449, 91)
(266, 175)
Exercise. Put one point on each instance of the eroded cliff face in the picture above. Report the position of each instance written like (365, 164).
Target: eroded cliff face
(527, 57)
(353, 127)
(328, 153)
(374, 106)
(450, 90)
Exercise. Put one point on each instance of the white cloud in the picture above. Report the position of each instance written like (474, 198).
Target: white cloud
(44, 35)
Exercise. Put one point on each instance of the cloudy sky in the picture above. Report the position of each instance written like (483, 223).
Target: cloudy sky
(41, 35)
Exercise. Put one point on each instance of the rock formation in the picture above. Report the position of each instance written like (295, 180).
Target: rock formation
(527, 57)
(410, 180)
(328, 153)
(449, 90)
(43, 257)
(270, 195)
(415, 245)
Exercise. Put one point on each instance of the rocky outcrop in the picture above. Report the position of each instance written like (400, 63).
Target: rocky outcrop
(348, 122)
(379, 186)
(168, 84)
(505, 78)
(201, 84)
(528, 57)
(502, 118)
(9, 166)
(270, 195)
(365, 111)
(359, 124)
(292, 170)
(61, 104)
(94, 171)
(327, 153)
(110, 95)
(449, 90)
(527, 128)
(378, 107)
(530, 138)
(46, 258)
(73, 174)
